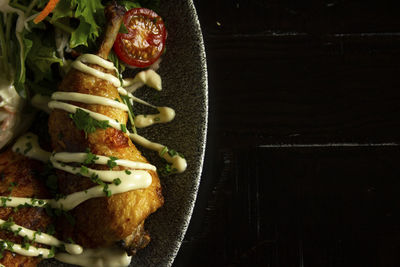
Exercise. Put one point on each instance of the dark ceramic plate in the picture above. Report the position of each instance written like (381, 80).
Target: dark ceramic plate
(184, 74)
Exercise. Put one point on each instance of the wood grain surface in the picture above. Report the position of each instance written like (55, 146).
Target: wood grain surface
(302, 161)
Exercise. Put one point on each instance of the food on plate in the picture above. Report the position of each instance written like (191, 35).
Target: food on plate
(19, 178)
(99, 187)
(102, 221)
(144, 40)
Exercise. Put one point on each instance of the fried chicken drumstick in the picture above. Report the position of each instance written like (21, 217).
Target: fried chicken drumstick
(19, 180)
(106, 220)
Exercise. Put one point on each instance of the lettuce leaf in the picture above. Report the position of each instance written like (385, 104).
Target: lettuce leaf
(41, 56)
(88, 13)
(20, 76)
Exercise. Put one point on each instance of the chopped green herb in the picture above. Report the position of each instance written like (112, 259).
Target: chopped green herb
(172, 152)
(4, 201)
(126, 100)
(128, 172)
(25, 244)
(107, 191)
(35, 234)
(7, 224)
(165, 149)
(84, 170)
(116, 99)
(16, 232)
(111, 162)
(34, 200)
(9, 245)
(95, 179)
(84, 122)
(28, 147)
(123, 128)
(90, 158)
(117, 181)
(167, 170)
(52, 252)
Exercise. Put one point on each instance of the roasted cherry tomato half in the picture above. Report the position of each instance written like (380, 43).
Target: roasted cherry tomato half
(145, 41)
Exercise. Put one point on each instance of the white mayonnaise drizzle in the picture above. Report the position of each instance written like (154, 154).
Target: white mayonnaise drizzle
(178, 163)
(80, 65)
(166, 115)
(101, 257)
(28, 145)
(139, 179)
(88, 99)
(41, 102)
(32, 251)
(72, 109)
(122, 91)
(147, 77)
(136, 177)
(43, 238)
(80, 157)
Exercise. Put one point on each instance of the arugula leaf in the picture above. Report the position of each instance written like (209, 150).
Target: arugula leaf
(84, 122)
(120, 67)
(40, 57)
(88, 27)
(90, 14)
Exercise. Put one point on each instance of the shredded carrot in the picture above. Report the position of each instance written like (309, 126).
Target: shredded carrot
(46, 11)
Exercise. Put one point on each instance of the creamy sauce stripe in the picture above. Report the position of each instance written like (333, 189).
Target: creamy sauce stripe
(43, 238)
(72, 109)
(81, 157)
(102, 257)
(32, 251)
(136, 177)
(93, 99)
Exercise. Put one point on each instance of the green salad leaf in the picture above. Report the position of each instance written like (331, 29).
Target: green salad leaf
(88, 13)
(41, 56)
(29, 54)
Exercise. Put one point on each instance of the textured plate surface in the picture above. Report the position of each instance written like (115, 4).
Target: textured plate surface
(184, 74)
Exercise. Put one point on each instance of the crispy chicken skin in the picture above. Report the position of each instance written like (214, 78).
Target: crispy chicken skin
(106, 220)
(15, 168)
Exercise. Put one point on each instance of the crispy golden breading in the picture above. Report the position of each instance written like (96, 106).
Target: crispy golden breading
(21, 171)
(101, 221)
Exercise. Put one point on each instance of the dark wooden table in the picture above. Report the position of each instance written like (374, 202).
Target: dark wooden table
(302, 165)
